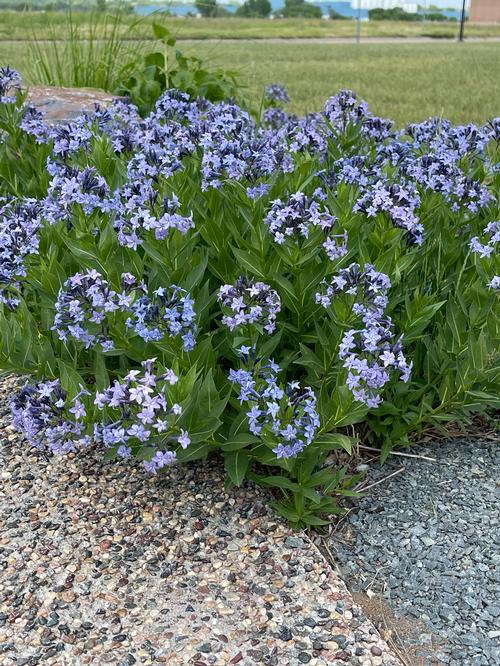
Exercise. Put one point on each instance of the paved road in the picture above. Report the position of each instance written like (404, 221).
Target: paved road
(307, 40)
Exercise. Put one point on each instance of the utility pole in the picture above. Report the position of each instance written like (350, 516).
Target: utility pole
(462, 23)
(358, 23)
(423, 15)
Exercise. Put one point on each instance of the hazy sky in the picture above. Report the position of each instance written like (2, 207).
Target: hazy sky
(445, 3)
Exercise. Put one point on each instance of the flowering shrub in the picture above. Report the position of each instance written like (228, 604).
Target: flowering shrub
(272, 288)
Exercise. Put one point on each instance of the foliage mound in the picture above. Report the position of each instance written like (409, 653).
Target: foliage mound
(102, 55)
(273, 288)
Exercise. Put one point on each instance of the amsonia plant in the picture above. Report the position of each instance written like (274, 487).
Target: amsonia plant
(273, 288)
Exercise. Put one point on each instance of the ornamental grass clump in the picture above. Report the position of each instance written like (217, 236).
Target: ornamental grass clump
(272, 288)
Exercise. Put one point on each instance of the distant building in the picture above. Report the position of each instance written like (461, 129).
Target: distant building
(411, 7)
(484, 11)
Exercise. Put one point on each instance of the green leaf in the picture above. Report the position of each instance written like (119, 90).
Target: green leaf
(310, 493)
(205, 430)
(385, 451)
(276, 482)
(250, 262)
(111, 453)
(239, 442)
(196, 272)
(309, 359)
(236, 464)
(481, 400)
(86, 253)
(155, 59)
(311, 519)
(457, 324)
(286, 511)
(101, 373)
(208, 399)
(334, 440)
(70, 379)
(195, 451)
(159, 31)
(417, 324)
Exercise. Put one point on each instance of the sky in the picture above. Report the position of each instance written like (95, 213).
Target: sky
(446, 4)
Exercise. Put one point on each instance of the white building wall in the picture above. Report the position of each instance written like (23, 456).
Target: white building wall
(411, 7)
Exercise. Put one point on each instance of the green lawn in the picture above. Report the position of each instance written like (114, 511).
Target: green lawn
(18, 26)
(406, 82)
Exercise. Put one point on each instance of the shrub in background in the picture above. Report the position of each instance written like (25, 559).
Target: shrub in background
(299, 8)
(144, 83)
(274, 288)
(210, 9)
(254, 9)
(97, 54)
(105, 54)
(336, 16)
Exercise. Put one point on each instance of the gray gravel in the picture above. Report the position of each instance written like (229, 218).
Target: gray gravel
(429, 540)
(106, 564)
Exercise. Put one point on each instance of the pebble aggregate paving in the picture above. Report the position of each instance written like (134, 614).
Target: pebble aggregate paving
(101, 563)
(429, 540)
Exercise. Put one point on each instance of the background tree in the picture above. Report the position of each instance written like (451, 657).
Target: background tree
(335, 16)
(294, 8)
(254, 9)
(207, 7)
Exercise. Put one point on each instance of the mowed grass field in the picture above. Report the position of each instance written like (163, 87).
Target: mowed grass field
(19, 25)
(406, 82)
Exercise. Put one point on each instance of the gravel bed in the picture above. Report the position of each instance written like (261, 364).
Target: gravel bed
(428, 540)
(104, 564)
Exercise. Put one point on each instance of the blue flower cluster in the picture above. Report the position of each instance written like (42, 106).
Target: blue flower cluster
(138, 413)
(274, 118)
(285, 416)
(19, 225)
(234, 149)
(307, 135)
(138, 209)
(33, 123)
(427, 155)
(9, 81)
(299, 216)
(169, 311)
(369, 355)
(345, 108)
(368, 285)
(249, 303)
(399, 201)
(488, 249)
(70, 186)
(423, 156)
(372, 352)
(377, 128)
(87, 300)
(82, 308)
(354, 170)
(441, 173)
(49, 421)
(277, 93)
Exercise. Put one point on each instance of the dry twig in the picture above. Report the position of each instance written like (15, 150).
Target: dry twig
(399, 453)
(371, 485)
